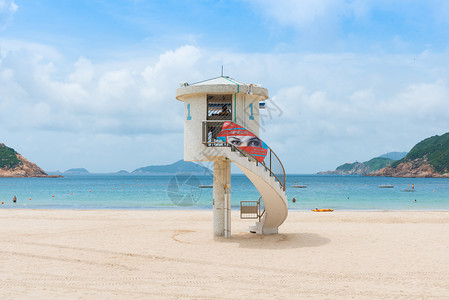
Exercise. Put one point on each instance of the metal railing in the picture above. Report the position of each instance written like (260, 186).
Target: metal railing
(251, 209)
(271, 163)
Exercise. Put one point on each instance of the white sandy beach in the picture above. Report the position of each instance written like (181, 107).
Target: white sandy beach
(171, 254)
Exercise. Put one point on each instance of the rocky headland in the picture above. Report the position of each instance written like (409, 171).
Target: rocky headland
(12, 164)
(419, 167)
(362, 168)
(428, 158)
(356, 168)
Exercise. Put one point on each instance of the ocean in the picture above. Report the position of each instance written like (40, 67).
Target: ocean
(140, 192)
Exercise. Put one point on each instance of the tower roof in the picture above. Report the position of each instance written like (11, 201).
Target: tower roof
(219, 80)
(221, 85)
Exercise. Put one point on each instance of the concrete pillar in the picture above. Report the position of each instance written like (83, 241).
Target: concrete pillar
(222, 198)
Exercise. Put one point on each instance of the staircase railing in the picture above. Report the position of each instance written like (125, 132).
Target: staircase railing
(251, 209)
(271, 163)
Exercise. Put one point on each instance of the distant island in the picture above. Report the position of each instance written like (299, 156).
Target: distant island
(428, 158)
(394, 155)
(12, 164)
(77, 171)
(180, 166)
(367, 167)
(121, 172)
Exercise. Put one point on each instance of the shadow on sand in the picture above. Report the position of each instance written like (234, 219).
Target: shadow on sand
(277, 241)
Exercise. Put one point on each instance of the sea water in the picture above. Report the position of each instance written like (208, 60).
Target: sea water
(107, 191)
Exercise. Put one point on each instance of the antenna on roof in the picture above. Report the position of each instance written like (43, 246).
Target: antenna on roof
(221, 70)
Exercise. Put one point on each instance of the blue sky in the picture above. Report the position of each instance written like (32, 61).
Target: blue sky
(91, 83)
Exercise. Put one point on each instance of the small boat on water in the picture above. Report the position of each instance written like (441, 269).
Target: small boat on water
(205, 186)
(386, 186)
(298, 186)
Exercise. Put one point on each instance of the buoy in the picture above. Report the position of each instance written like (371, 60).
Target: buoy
(90, 191)
(3, 202)
(52, 195)
(29, 199)
(71, 193)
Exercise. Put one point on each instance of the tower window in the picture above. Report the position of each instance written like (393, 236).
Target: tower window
(219, 107)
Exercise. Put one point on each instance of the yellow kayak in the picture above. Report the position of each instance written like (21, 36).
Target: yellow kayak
(323, 209)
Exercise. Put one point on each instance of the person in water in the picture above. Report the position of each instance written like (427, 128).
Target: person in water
(14, 199)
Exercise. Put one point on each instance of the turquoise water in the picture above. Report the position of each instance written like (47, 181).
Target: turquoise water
(182, 192)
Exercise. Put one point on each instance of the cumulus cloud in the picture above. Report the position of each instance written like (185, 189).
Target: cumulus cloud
(103, 99)
(355, 107)
(330, 108)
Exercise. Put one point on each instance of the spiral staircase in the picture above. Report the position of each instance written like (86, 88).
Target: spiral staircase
(267, 176)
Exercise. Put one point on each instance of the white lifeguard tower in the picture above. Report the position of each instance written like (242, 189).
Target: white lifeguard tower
(220, 106)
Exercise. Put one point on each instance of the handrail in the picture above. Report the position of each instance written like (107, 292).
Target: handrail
(268, 168)
(261, 214)
(247, 154)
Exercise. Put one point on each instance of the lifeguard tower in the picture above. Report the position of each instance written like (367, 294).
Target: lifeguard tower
(221, 124)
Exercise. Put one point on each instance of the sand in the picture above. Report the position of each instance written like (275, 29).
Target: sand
(172, 254)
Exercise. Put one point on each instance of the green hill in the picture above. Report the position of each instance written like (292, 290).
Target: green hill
(363, 168)
(378, 163)
(347, 167)
(12, 164)
(8, 157)
(433, 151)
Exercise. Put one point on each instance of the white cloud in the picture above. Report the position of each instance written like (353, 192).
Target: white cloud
(83, 73)
(104, 99)
(346, 107)
(335, 107)
(7, 9)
